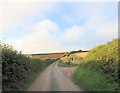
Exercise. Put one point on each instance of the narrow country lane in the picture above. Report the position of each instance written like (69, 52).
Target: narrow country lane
(53, 79)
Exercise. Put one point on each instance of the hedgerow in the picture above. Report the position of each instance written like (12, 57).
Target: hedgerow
(107, 53)
(17, 68)
(103, 59)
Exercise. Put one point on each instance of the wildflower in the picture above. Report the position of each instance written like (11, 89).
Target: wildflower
(110, 62)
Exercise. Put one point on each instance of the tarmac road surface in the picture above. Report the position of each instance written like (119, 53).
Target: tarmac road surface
(55, 78)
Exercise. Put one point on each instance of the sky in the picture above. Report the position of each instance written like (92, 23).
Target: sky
(46, 27)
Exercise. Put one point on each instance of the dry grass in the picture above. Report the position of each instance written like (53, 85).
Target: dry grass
(82, 54)
(46, 56)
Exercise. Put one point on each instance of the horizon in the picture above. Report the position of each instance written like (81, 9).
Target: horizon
(54, 52)
(58, 26)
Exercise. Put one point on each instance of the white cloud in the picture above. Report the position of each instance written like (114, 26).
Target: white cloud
(108, 32)
(46, 35)
(59, 0)
(40, 39)
(104, 29)
(46, 25)
(13, 14)
(73, 34)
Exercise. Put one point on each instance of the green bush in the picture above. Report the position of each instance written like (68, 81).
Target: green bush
(72, 59)
(72, 52)
(101, 60)
(17, 68)
(106, 53)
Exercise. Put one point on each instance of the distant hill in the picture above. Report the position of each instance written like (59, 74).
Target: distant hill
(46, 55)
(57, 54)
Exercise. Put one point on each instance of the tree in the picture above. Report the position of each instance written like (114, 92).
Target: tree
(80, 50)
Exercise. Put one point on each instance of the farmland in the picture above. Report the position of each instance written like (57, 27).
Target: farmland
(81, 54)
(47, 55)
(73, 58)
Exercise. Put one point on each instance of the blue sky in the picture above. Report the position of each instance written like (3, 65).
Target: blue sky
(33, 27)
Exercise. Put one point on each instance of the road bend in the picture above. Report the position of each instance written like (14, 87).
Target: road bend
(54, 79)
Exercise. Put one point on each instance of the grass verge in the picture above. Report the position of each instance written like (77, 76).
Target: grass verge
(66, 64)
(90, 80)
(24, 85)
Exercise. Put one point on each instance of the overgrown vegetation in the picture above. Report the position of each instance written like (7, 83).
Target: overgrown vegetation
(68, 64)
(70, 61)
(18, 68)
(107, 53)
(90, 80)
(99, 70)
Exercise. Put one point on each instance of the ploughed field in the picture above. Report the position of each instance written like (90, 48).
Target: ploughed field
(45, 55)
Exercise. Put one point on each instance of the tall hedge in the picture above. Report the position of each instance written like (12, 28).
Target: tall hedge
(104, 58)
(17, 67)
(107, 52)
